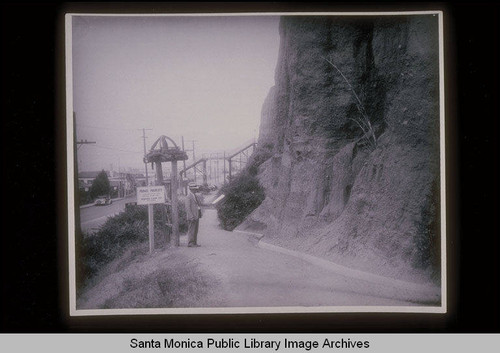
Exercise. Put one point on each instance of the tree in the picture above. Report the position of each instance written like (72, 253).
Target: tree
(101, 185)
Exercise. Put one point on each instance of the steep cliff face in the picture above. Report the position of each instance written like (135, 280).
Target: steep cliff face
(352, 131)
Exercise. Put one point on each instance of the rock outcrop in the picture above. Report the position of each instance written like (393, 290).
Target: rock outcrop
(355, 182)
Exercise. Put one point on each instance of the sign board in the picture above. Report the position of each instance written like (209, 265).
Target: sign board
(218, 199)
(148, 195)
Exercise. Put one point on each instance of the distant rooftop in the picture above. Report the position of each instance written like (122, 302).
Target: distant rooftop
(90, 174)
(94, 174)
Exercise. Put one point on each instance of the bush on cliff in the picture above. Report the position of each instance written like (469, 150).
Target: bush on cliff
(242, 196)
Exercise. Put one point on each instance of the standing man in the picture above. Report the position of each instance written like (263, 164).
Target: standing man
(193, 213)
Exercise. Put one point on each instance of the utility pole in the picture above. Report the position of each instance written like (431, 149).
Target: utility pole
(210, 166)
(194, 160)
(75, 182)
(81, 142)
(75, 154)
(145, 163)
(217, 170)
(224, 170)
(184, 162)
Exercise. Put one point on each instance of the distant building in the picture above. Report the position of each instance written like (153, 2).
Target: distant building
(123, 184)
(86, 179)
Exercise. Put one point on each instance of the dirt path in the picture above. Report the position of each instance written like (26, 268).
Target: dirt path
(251, 276)
(234, 272)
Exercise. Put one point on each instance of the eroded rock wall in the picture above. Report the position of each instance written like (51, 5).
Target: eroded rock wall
(331, 190)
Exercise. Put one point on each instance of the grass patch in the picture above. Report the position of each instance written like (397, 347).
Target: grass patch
(179, 285)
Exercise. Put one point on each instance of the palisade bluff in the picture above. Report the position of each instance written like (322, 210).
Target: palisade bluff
(349, 144)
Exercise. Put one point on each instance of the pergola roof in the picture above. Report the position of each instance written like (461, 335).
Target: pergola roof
(161, 152)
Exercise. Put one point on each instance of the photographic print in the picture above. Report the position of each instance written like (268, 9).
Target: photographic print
(255, 163)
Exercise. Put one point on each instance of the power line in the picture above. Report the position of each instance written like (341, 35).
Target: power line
(104, 128)
(116, 149)
(82, 142)
(85, 142)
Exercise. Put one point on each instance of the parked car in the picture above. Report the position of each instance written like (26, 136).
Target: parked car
(103, 200)
(205, 189)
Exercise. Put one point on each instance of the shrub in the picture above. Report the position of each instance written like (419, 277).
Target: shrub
(115, 236)
(243, 195)
(84, 197)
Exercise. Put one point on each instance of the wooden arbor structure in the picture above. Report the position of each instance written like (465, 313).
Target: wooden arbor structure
(161, 152)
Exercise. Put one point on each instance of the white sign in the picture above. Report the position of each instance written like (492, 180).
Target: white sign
(218, 199)
(147, 195)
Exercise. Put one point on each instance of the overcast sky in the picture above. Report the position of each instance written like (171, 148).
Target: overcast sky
(204, 78)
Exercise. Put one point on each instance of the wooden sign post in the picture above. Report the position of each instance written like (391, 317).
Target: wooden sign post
(151, 226)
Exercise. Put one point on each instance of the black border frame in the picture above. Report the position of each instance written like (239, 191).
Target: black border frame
(34, 252)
